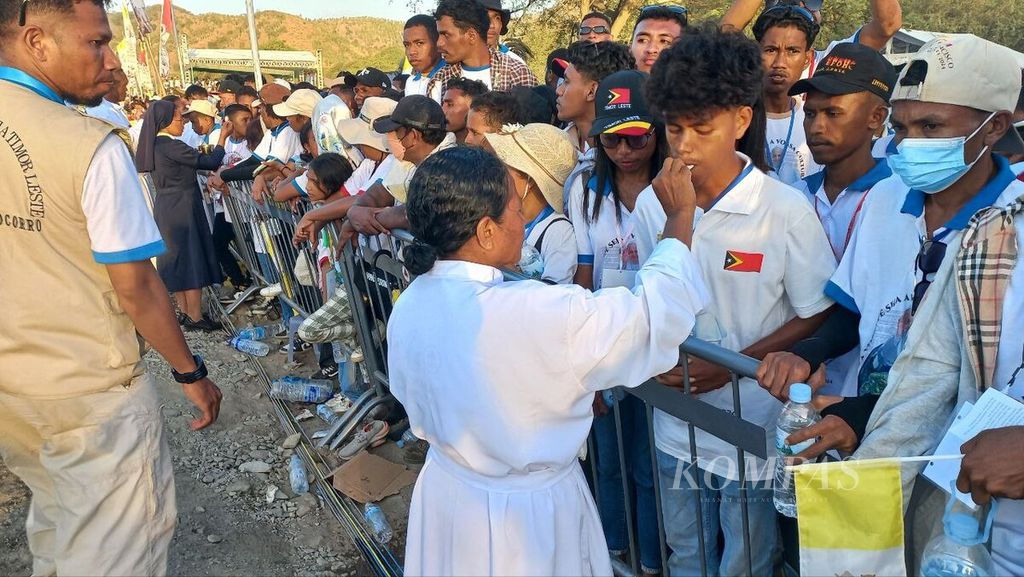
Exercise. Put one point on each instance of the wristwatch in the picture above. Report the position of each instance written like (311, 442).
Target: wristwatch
(196, 375)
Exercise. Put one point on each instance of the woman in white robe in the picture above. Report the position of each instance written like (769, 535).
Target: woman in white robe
(500, 376)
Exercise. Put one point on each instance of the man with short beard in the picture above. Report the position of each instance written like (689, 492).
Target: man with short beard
(80, 419)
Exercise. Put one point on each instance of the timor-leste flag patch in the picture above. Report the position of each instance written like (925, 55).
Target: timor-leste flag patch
(737, 261)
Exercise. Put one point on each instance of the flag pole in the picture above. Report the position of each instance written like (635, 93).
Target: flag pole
(254, 43)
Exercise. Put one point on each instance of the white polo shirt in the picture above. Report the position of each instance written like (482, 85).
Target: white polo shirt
(417, 83)
(877, 275)
(281, 143)
(765, 260)
(786, 149)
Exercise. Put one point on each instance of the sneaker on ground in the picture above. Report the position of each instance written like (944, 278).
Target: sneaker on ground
(271, 291)
(371, 435)
(205, 324)
(327, 372)
(297, 345)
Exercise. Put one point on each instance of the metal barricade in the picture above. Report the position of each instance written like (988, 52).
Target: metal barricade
(375, 277)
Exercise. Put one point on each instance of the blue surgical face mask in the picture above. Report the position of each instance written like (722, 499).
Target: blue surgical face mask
(932, 165)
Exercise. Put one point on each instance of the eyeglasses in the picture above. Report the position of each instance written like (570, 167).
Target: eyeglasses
(928, 262)
(634, 142)
(584, 30)
(679, 11)
(790, 9)
(21, 12)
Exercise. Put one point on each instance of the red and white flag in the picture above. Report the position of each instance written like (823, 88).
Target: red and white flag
(166, 31)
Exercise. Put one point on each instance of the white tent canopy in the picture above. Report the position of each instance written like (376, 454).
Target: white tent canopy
(296, 63)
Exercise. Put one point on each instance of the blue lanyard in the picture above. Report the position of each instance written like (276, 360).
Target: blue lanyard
(540, 217)
(746, 170)
(22, 79)
(785, 145)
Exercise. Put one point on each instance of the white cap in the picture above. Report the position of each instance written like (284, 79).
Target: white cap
(965, 70)
(300, 103)
(204, 107)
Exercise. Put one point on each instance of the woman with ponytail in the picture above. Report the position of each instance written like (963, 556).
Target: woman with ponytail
(499, 376)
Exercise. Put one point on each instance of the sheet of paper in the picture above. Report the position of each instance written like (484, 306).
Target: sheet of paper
(992, 411)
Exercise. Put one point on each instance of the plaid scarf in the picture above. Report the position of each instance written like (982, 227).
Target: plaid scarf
(984, 266)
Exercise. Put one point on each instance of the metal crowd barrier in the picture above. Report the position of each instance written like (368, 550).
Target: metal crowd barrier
(374, 277)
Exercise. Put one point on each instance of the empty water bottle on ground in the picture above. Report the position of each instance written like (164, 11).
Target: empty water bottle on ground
(301, 390)
(378, 523)
(250, 347)
(327, 414)
(959, 551)
(407, 438)
(297, 475)
(261, 332)
(797, 414)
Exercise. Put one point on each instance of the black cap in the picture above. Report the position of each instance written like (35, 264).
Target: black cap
(373, 78)
(506, 15)
(415, 111)
(228, 86)
(849, 68)
(621, 106)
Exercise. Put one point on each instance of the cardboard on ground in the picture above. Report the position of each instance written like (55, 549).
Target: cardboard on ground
(368, 478)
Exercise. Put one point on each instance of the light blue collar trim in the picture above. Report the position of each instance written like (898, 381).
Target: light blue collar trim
(25, 80)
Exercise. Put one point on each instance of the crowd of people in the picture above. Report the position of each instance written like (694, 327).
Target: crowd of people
(848, 223)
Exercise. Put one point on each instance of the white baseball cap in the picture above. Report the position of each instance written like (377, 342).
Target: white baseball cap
(300, 103)
(204, 107)
(360, 130)
(965, 70)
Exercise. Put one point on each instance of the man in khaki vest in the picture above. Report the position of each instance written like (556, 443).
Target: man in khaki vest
(79, 420)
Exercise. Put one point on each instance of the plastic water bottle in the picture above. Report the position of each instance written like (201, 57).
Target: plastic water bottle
(947, 555)
(250, 347)
(301, 390)
(530, 262)
(797, 414)
(407, 438)
(378, 523)
(959, 551)
(260, 332)
(325, 413)
(297, 475)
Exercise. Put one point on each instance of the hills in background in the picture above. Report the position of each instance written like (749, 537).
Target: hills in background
(377, 42)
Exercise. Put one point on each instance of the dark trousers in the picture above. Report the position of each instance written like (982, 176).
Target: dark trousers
(223, 234)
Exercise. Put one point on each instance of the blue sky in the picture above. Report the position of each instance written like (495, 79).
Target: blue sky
(392, 9)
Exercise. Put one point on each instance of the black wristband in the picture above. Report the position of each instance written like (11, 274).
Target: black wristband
(196, 375)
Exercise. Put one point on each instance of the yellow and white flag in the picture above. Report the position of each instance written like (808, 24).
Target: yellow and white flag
(850, 517)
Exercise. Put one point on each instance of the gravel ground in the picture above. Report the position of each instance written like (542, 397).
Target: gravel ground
(225, 524)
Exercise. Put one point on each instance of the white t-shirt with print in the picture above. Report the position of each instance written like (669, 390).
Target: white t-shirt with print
(120, 225)
(837, 219)
(878, 272)
(607, 243)
(786, 150)
(765, 260)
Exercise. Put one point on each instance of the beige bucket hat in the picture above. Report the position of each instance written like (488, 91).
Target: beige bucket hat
(543, 152)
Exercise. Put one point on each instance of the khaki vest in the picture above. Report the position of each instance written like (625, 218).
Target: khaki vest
(62, 331)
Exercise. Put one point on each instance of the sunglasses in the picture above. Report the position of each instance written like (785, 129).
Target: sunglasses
(634, 142)
(791, 9)
(679, 11)
(928, 262)
(584, 30)
(21, 12)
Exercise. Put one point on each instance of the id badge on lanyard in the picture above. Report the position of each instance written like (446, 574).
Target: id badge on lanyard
(621, 261)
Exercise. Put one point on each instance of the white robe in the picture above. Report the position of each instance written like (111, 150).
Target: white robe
(499, 377)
